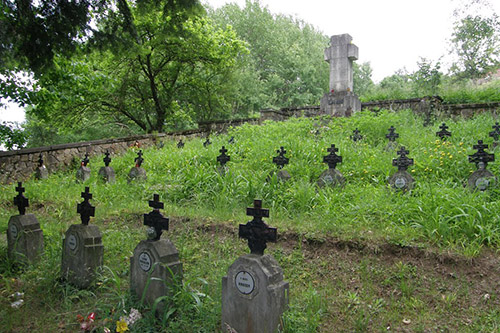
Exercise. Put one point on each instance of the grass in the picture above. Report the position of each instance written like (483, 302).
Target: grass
(358, 258)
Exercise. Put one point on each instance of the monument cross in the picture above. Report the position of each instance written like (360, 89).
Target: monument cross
(340, 56)
(332, 159)
(256, 231)
(392, 135)
(495, 134)
(443, 132)
(223, 158)
(138, 160)
(85, 209)
(481, 156)
(356, 136)
(20, 200)
(85, 160)
(402, 162)
(280, 160)
(155, 219)
(106, 159)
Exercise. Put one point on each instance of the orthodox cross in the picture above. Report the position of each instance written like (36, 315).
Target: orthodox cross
(481, 156)
(106, 159)
(392, 136)
(85, 160)
(155, 219)
(443, 132)
(402, 162)
(20, 200)
(280, 160)
(496, 132)
(332, 159)
(138, 160)
(40, 160)
(231, 140)
(84, 208)
(207, 142)
(356, 136)
(180, 144)
(223, 158)
(256, 231)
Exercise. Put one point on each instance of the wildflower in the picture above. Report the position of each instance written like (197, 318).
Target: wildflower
(461, 144)
(413, 170)
(121, 326)
(451, 157)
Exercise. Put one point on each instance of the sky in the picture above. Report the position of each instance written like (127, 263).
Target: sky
(390, 34)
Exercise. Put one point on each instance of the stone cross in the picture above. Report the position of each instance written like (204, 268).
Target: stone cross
(280, 160)
(85, 160)
(180, 144)
(85, 209)
(495, 134)
(356, 136)
(106, 159)
(332, 159)
(138, 160)
(392, 135)
(256, 231)
(40, 160)
(340, 56)
(443, 132)
(155, 219)
(20, 200)
(402, 162)
(481, 156)
(223, 158)
(207, 142)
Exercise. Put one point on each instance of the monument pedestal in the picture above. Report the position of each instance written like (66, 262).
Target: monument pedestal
(254, 295)
(137, 173)
(481, 180)
(107, 173)
(154, 269)
(24, 238)
(340, 104)
(83, 174)
(331, 177)
(82, 254)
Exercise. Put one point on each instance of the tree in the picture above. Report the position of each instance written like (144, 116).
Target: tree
(362, 77)
(427, 78)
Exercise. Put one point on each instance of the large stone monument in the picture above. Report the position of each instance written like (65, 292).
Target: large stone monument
(24, 236)
(341, 100)
(82, 247)
(254, 295)
(155, 265)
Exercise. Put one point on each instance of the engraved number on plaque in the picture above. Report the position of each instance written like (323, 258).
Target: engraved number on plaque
(400, 182)
(13, 231)
(244, 282)
(72, 242)
(145, 261)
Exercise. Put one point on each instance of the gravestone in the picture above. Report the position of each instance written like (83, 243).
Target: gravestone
(391, 136)
(82, 247)
(443, 133)
(137, 172)
(180, 144)
(223, 159)
(331, 177)
(207, 142)
(231, 140)
(341, 100)
(280, 161)
(481, 179)
(495, 134)
(356, 136)
(24, 236)
(106, 172)
(83, 173)
(155, 265)
(41, 171)
(402, 180)
(254, 294)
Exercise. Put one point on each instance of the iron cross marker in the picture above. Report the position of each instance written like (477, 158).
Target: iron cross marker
(443, 133)
(481, 156)
(20, 200)
(402, 162)
(231, 140)
(223, 158)
(207, 142)
(180, 144)
(392, 135)
(256, 231)
(85, 160)
(356, 136)
(85, 209)
(155, 219)
(106, 159)
(332, 159)
(40, 160)
(138, 160)
(280, 160)
(495, 134)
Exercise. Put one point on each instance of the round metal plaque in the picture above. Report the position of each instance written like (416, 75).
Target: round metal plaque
(244, 282)
(482, 183)
(145, 261)
(400, 182)
(72, 242)
(328, 179)
(13, 231)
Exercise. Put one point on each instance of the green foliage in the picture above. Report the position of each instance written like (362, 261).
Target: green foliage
(11, 136)
(362, 77)
(427, 78)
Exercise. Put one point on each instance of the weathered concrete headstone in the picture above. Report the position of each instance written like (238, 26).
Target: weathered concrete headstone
(356, 136)
(392, 136)
(443, 133)
(41, 171)
(341, 100)
(495, 134)
(137, 172)
(106, 172)
(402, 180)
(331, 177)
(254, 294)
(222, 159)
(481, 179)
(155, 267)
(83, 173)
(82, 251)
(281, 161)
(24, 236)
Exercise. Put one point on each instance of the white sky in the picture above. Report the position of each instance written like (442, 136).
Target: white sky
(390, 34)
